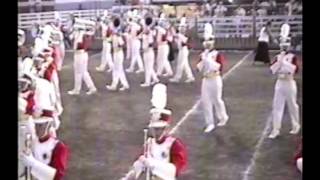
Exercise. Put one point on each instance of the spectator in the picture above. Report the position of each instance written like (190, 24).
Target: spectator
(38, 6)
(220, 10)
(290, 6)
(240, 11)
(207, 10)
(273, 7)
(262, 12)
(213, 5)
(299, 8)
(264, 4)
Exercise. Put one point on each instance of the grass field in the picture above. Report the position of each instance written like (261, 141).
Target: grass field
(105, 131)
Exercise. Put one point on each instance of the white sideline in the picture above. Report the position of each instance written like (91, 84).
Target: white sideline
(194, 107)
(257, 148)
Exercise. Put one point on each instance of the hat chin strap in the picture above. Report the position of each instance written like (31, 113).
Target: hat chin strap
(164, 132)
(45, 132)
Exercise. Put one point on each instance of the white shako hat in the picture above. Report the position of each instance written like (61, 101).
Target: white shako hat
(160, 117)
(159, 96)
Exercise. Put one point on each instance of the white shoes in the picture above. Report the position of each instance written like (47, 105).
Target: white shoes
(167, 75)
(173, 80)
(223, 122)
(189, 80)
(274, 134)
(209, 128)
(129, 70)
(295, 129)
(100, 69)
(91, 91)
(139, 71)
(110, 88)
(145, 85)
(123, 88)
(73, 92)
(155, 82)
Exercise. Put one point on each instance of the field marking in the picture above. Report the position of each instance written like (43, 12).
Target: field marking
(194, 107)
(257, 148)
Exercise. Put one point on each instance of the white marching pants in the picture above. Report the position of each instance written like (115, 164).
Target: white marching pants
(62, 55)
(55, 82)
(150, 74)
(106, 58)
(80, 66)
(118, 72)
(211, 95)
(128, 45)
(183, 64)
(59, 55)
(285, 93)
(163, 63)
(135, 55)
(299, 164)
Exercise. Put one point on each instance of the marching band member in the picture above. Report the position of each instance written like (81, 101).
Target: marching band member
(211, 66)
(208, 31)
(148, 54)
(106, 57)
(285, 66)
(37, 99)
(46, 68)
(183, 57)
(163, 51)
(134, 32)
(285, 33)
(118, 73)
(82, 41)
(48, 156)
(165, 156)
(57, 44)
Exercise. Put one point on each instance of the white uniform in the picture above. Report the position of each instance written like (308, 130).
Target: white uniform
(40, 103)
(135, 48)
(284, 33)
(148, 58)
(163, 63)
(80, 65)
(118, 73)
(40, 43)
(208, 31)
(211, 89)
(263, 37)
(60, 51)
(106, 57)
(285, 67)
(47, 158)
(161, 157)
(183, 59)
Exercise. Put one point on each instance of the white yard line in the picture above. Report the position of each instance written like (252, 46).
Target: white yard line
(257, 149)
(194, 107)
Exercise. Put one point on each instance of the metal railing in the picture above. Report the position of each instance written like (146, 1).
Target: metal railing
(223, 26)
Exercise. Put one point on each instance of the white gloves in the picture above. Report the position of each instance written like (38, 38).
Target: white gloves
(27, 159)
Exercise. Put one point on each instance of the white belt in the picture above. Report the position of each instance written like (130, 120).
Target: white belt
(78, 51)
(211, 75)
(285, 77)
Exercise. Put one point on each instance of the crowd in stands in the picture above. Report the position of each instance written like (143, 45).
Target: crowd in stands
(219, 8)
